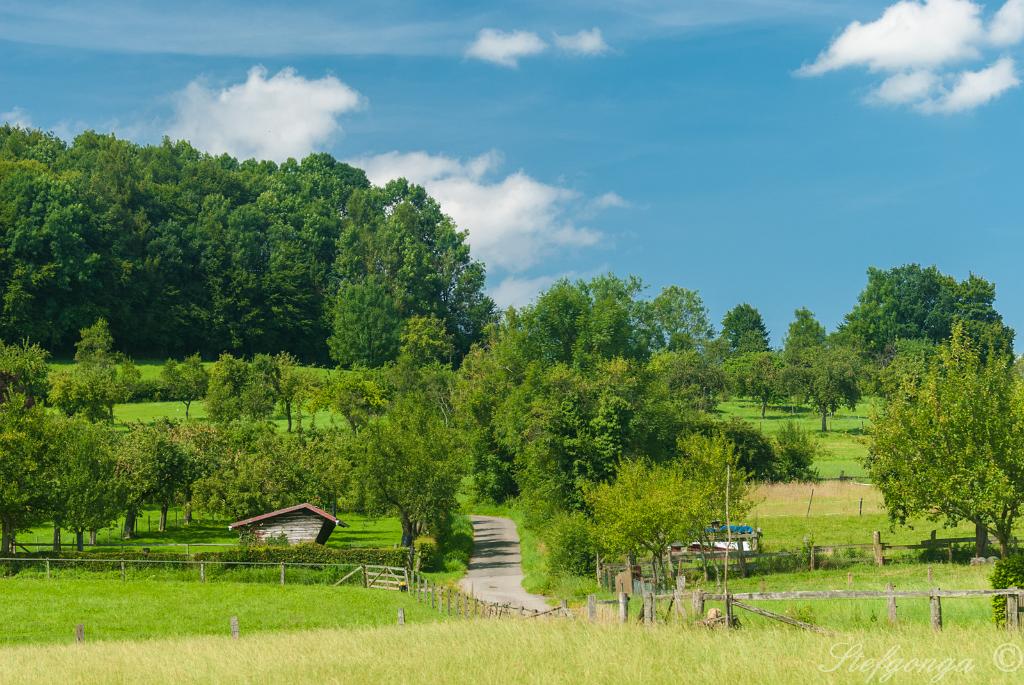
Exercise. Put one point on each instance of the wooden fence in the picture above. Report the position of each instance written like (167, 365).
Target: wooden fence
(688, 606)
(453, 601)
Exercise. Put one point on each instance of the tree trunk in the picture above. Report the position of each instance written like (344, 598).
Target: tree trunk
(128, 532)
(980, 539)
(163, 517)
(187, 512)
(288, 414)
(56, 539)
(764, 408)
(6, 538)
(187, 405)
(92, 536)
(824, 422)
(80, 540)
(408, 533)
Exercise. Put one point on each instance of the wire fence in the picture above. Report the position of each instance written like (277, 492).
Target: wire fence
(125, 570)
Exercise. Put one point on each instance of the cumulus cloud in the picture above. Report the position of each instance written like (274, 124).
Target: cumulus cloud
(267, 117)
(505, 48)
(1007, 27)
(920, 44)
(587, 43)
(610, 200)
(513, 221)
(909, 34)
(975, 88)
(514, 291)
(16, 117)
(905, 88)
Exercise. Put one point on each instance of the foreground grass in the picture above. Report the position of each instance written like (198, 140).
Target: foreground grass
(37, 610)
(515, 651)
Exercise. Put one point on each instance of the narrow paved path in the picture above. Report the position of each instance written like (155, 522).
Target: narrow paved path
(495, 571)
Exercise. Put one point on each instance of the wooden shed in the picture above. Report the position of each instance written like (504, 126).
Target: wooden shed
(301, 523)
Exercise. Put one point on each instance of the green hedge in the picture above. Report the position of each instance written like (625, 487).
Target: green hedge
(310, 553)
(1007, 572)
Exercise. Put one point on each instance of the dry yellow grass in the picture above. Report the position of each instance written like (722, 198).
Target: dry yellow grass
(831, 498)
(528, 652)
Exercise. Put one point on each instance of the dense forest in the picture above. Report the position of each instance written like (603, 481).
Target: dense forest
(183, 252)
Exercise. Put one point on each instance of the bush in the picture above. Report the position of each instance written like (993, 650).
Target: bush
(795, 451)
(310, 553)
(1008, 572)
(148, 390)
(571, 545)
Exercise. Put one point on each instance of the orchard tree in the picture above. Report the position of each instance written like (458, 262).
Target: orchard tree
(138, 455)
(830, 379)
(356, 394)
(681, 320)
(744, 330)
(410, 466)
(83, 490)
(951, 446)
(757, 375)
(185, 381)
(366, 325)
(25, 455)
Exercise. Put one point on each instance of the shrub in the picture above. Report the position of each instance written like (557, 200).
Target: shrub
(148, 390)
(571, 545)
(1008, 572)
(795, 451)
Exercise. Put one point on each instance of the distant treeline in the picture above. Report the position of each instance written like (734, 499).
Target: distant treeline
(183, 252)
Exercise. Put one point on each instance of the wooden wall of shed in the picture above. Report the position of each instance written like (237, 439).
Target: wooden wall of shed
(298, 526)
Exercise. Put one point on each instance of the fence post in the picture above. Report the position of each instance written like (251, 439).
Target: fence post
(448, 601)
(849, 579)
(124, 576)
(649, 608)
(433, 599)
(1012, 607)
(891, 603)
(936, 611)
(623, 607)
(592, 608)
(876, 543)
(401, 616)
(930, 570)
(234, 627)
(366, 578)
(728, 610)
(80, 633)
(812, 556)
(202, 572)
(282, 573)
(698, 604)
(47, 569)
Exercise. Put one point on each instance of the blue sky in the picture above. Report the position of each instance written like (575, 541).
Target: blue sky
(766, 151)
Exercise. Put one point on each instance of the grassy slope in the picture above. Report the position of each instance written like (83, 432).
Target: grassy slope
(47, 611)
(843, 446)
(484, 652)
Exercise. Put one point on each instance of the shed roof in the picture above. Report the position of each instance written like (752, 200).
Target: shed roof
(288, 510)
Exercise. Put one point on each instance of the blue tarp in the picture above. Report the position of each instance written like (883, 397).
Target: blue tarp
(739, 530)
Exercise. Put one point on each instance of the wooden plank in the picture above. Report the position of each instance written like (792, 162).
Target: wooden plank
(780, 617)
(859, 594)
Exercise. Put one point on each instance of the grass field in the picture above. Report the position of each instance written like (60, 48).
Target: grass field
(513, 651)
(843, 446)
(37, 610)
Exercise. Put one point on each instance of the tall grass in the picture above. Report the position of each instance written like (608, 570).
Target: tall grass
(517, 651)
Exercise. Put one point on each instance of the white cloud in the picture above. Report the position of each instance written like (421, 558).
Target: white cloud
(917, 42)
(909, 34)
(610, 200)
(1007, 26)
(278, 117)
(905, 88)
(16, 117)
(517, 292)
(514, 222)
(505, 48)
(583, 43)
(975, 88)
